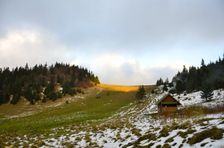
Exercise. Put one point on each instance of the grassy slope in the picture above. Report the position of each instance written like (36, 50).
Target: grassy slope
(121, 88)
(100, 103)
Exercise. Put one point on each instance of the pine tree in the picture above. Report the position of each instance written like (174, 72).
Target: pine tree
(165, 88)
(159, 82)
(167, 81)
(207, 93)
(140, 93)
(179, 86)
(202, 63)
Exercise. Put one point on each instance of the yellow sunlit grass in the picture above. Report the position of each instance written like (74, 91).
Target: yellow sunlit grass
(121, 88)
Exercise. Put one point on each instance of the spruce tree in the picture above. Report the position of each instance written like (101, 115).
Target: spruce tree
(207, 93)
(165, 87)
(159, 82)
(140, 93)
(202, 63)
(179, 86)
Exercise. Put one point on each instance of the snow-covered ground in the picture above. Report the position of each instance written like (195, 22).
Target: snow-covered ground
(147, 127)
(191, 99)
(195, 98)
(144, 129)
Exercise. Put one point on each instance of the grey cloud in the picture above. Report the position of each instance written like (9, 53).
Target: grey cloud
(125, 24)
(149, 31)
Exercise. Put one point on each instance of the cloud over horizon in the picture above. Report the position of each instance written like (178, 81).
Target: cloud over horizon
(20, 47)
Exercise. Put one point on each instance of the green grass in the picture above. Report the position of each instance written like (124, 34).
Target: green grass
(88, 109)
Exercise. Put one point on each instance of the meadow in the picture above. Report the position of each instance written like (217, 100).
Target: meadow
(98, 103)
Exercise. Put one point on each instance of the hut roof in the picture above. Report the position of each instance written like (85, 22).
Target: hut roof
(167, 102)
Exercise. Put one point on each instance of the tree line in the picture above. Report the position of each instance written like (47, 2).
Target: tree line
(43, 82)
(204, 78)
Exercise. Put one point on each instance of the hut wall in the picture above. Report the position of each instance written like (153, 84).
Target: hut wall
(167, 109)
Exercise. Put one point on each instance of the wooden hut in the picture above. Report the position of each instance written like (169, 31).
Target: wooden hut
(167, 104)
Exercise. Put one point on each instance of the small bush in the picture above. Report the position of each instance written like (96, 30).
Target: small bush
(136, 132)
(40, 143)
(98, 97)
(68, 145)
(164, 132)
(172, 91)
(181, 146)
(147, 136)
(72, 92)
(79, 90)
(171, 139)
(87, 138)
(44, 100)
(108, 94)
(184, 134)
(185, 125)
(153, 91)
(166, 146)
(213, 133)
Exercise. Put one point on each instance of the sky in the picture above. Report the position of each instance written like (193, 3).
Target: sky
(125, 42)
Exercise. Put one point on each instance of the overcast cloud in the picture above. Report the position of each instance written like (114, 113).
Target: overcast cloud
(122, 41)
